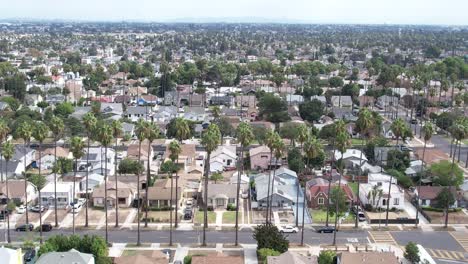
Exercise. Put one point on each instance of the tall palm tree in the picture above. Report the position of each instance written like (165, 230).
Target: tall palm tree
(302, 134)
(182, 132)
(174, 152)
(4, 130)
(364, 125)
(89, 121)
(141, 135)
(245, 137)
(24, 131)
(57, 127)
(313, 149)
(343, 142)
(40, 132)
(7, 152)
(269, 141)
(104, 135)
(76, 148)
(211, 139)
(428, 130)
(152, 133)
(117, 130)
(278, 150)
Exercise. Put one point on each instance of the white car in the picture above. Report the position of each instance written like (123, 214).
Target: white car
(21, 209)
(288, 229)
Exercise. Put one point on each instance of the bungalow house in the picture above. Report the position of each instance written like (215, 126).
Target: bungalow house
(220, 195)
(32, 99)
(128, 129)
(342, 101)
(159, 195)
(414, 168)
(294, 99)
(382, 182)
(133, 153)
(96, 161)
(366, 101)
(64, 194)
(16, 192)
(222, 100)
(321, 98)
(352, 158)
(47, 160)
(195, 113)
(171, 98)
(94, 180)
(428, 195)
(125, 194)
(246, 101)
(317, 192)
(223, 157)
(386, 101)
(137, 112)
(260, 158)
(147, 100)
(15, 168)
(387, 131)
(112, 109)
(284, 188)
(187, 158)
(164, 114)
(72, 256)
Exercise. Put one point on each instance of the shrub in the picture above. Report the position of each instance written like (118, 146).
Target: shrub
(263, 253)
(231, 207)
(188, 259)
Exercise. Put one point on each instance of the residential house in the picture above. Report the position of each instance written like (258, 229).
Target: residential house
(11, 256)
(367, 258)
(16, 192)
(96, 161)
(114, 110)
(137, 112)
(94, 180)
(4, 106)
(380, 181)
(246, 101)
(195, 113)
(223, 157)
(217, 258)
(147, 100)
(188, 157)
(171, 98)
(292, 258)
(387, 131)
(260, 158)
(222, 100)
(366, 101)
(164, 114)
(134, 153)
(32, 99)
(220, 195)
(15, 168)
(80, 111)
(54, 99)
(294, 99)
(159, 195)
(72, 256)
(415, 167)
(342, 101)
(47, 160)
(64, 194)
(143, 257)
(126, 194)
(428, 195)
(386, 101)
(128, 129)
(284, 192)
(317, 192)
(352, 158)
(321, 98)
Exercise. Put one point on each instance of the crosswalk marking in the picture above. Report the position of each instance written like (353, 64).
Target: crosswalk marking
(382, 237)
(461, 238)
(446, 254)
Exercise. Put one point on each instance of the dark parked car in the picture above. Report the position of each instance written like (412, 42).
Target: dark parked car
(326, 229)
(28, 227)
(46, 227)
(29, 255)
(188, 215)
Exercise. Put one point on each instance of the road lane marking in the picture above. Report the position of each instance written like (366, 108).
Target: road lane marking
(446, 254)
(382, 237)
(461, 238)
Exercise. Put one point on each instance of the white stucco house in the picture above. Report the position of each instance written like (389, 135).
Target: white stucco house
(64, 194)
(381, 181)
(222, 157)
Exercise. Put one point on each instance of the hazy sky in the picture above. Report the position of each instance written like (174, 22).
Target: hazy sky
(454, 12)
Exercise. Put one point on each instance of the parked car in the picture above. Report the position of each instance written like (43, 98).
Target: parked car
(189, 202)
(356, 209)
(21, 209)
(326, 229)
(29, 255)
(38, 209)
(361, 216)
(414, 121)
(46, 227)
(188, 215)
(25, 227)
(288, 229)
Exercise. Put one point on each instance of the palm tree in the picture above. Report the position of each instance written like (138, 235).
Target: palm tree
(152, 134)
(313, 149)
(343, 142)
(245, 136)
(398, 128)
(278, 149)
(211, 139)
(104, 135)
(174, 152)
(117, 130)
(40, 132)
(89, 121)
(4, 130)
(302, 134)
(141, 135)
(269, 141)
(57, 127)
(24, 131)
(7, 152)
(428, 130)
(364, 125)
(76, 148)
(182, 132)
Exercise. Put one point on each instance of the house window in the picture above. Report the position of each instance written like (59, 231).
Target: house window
(320, 201)
(231, 200)
(384, 202)
(264, 157)
(220, 202)
(396, 201)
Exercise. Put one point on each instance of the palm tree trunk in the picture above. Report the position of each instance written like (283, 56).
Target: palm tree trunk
(147, 183)
(459, 150)
(87, 176)
(356, 224)
(267, 218)
(138, 197)
(170, 214)
(40, 198)
(450, 190)
(336, 210)
(237, 195)
(8, 200)
(419, 183)
(272, 191)
(105, 194)
(304, 204)
(55, 183)
(73, 193)
(26, 182)
(329, 182)
(116, 187)
(176, 218)
(388, 199)
(297, 204)
(451, 147)
(205, 198)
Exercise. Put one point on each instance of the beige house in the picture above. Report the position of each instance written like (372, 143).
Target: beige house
(125, 195)
(220, 195)
(159, 195)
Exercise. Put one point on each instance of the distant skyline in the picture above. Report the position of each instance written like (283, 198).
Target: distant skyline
(427, 12)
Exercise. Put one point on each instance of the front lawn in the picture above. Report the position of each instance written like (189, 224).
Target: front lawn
(320, 216)
(357, 141)
(229, 217)
(199, 217)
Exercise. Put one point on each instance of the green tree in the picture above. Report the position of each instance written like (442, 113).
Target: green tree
(89, 122)
(445, 198)
(24, 131)
(326, 257)
(412, 253)
(7, 153)
(64, 109)
(338, 198)
(264, 253)
(129, 166)
(273, 108)
(442, 174)
(268, 236)
(216, 176)
(40, 132)
(141, 133)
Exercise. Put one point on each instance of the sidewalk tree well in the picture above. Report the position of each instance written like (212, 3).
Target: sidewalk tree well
(268, 236)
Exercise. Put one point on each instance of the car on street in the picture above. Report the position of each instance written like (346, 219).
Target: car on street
(46, 227)
(25, 227)
(325, 229)
(29, 255)
(188, 215)
(288, 229)
(361, 216)
(21, 209)
(38, 209)
(245, 195)
(414, 121)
